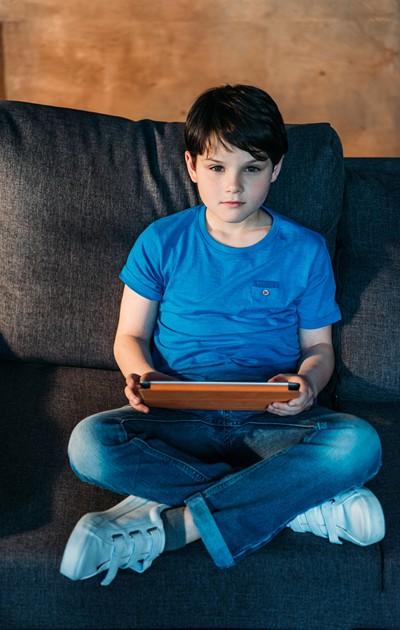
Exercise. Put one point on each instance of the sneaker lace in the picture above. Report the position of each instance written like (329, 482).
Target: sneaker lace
(327, 510)
(138, 541)
(155, 542)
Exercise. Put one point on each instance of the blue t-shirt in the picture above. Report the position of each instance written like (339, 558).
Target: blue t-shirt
(228, 313)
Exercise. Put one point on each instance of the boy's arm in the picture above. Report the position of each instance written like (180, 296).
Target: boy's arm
(315, 369)
(132, 344)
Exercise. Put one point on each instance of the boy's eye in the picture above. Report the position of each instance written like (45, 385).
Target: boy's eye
(217, 168)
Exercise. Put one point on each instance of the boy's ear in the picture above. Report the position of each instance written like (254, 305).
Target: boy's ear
(191, 167)
(277, 169)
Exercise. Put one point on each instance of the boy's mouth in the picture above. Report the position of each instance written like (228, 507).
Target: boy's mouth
(233, 204)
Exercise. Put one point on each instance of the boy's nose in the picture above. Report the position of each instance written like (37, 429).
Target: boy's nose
(233, 184)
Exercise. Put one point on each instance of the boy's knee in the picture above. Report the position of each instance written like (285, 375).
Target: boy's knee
(76, 443)
(356, 448)
(92, 444)
(366, 436)
(82, 446)
(370, 441)
(363, 446)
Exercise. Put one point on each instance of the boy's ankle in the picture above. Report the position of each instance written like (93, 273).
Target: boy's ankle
(174, 528)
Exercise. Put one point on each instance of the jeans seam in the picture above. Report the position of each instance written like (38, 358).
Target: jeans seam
(183, 466)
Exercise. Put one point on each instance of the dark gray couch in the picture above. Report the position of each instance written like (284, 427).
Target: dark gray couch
(76, 189)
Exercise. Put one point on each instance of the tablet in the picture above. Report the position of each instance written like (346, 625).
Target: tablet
(215, 395)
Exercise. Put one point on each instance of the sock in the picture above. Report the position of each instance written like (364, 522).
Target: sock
(174, 528)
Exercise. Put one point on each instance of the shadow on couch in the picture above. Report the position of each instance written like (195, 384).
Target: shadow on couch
(29, 448)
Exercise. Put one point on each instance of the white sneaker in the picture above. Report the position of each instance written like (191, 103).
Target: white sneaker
(127, 536)
(356, 516)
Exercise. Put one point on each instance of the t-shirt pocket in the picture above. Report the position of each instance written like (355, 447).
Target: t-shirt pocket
(267, 294)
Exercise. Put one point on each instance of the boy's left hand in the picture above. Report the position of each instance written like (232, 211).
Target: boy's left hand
(302, 403)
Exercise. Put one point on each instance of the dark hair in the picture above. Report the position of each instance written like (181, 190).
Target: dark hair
(238, 115)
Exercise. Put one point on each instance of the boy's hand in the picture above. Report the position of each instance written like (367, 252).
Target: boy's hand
(132, 389)
(302, 403)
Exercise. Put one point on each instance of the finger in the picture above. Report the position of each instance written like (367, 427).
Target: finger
(132, 380)
(133, 397)
(141, 408)
(289, 408)
(282, 412)
(279, 378)
(277, 406)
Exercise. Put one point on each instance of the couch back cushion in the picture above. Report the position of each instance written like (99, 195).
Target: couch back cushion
(76, 189)
(367, 339)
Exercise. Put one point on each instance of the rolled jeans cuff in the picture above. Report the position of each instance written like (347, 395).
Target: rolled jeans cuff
(209, 532)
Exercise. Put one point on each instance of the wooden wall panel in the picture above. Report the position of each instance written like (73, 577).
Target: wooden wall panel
(322, 60)
(2, 85)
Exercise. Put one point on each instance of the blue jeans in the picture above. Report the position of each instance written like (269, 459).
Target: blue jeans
(243, 475)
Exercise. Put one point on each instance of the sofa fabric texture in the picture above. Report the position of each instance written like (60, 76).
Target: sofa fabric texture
(368, 279)
(76, 189)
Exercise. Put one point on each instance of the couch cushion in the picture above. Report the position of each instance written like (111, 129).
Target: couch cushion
(367, 340)
(76, 188)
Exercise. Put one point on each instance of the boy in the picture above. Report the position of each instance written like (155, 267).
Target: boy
(213, 288)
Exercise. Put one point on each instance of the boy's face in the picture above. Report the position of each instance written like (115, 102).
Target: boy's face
(232, 184)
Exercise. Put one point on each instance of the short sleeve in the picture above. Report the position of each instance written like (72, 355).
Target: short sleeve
(141, 272)
(317, 306)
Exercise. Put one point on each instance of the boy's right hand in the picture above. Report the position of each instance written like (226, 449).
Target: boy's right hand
(132, 389)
